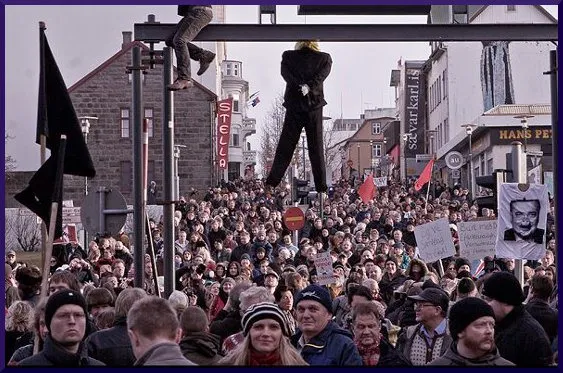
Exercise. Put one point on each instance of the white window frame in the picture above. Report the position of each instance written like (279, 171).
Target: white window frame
(125, 122)
(376, 128)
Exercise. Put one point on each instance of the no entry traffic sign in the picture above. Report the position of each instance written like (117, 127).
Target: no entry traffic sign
(294, 218)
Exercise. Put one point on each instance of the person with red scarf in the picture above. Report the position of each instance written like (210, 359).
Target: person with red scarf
(372, 345)
(266, 339)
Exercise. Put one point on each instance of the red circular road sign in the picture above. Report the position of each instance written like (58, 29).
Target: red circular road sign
(294, 218)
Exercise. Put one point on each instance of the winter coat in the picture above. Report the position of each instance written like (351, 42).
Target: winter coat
(388, 285)
(390, 357)
(53, 355)
(201, 348)
(545, 315)
(163, 354)
(112, 346)
(332, 346)
(226, 324)
(522, 340)
(453, 358)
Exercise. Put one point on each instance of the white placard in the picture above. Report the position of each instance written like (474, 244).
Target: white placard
(323, 265)
(522, 221)
(477, 238)
(434, 240)
(380, 181)
(534, 175)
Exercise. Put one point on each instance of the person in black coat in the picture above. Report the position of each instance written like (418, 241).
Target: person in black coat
(304, 71)
(112, 346)
(518, 336)
(538, 306)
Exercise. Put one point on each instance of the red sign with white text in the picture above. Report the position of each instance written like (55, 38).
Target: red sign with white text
(224, 112)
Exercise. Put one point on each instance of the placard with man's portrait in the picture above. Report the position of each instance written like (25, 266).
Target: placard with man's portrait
(522, 221)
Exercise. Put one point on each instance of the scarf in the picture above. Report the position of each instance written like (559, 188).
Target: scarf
(370, 354)
(257, 358)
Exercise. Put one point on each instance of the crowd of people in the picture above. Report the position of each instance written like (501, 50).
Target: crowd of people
(247, 294)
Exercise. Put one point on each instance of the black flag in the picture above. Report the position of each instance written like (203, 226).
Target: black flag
(55, 117)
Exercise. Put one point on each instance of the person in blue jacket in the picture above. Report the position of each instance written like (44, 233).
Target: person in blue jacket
(319, 339)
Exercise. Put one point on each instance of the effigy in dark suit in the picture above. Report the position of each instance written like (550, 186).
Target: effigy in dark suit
(304, 71)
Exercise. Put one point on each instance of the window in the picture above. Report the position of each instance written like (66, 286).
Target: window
(124, 122)
(236, 69)
(126, 177)
(489, 166)
(446, 131)
(376, 128)
(444, 86)
(439, 83)
(235, 137)
(149, 117)
(229, 67)
(377, 150)
(511, 8)
(233, 171)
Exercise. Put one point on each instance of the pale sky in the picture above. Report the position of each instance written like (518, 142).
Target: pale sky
(359, 79)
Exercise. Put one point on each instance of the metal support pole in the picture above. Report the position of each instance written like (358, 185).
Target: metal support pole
(138, 188)
(304, 169)
(519, 174)
(553, 66)
(102, 215)
(470, 166)
(168, 151)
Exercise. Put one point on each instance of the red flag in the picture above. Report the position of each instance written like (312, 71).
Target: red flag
(366, 191)
(425, 176)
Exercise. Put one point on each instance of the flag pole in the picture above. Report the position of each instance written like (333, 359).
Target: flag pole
(42, 137)
(429, 181)
(57, 192)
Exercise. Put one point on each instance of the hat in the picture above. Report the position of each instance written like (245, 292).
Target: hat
(261, 311)
(382, 238)
(316, 293)
(339, 265)
(437, 297)
(398, 245)
(465, 311)
(244, 256)
(10, 252)
(60, 299)
(392, 259)
(459, 262)
(271, 272)
(453, 226)
(505, 288)
(228, 279)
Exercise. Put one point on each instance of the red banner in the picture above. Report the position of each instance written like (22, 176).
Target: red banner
(224, 113)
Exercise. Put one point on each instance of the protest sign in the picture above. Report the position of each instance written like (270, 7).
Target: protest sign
(522, 221)
(477, 238)
(323, 265)
(434, 240)
(380, 181)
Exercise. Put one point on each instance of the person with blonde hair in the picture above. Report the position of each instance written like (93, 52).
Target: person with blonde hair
(266, 339)
(304, 71)
(19, 326)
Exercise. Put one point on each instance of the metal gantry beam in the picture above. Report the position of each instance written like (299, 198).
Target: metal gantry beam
(356, 33)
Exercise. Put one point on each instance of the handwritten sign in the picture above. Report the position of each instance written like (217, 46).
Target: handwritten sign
(434, 240)
(380, 181)
(323, 265)
(477, 238)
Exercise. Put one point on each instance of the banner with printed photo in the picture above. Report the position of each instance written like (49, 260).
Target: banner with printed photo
(548, 181)
(434, 240)
(522, 221)
(534, 175)
(477, 238)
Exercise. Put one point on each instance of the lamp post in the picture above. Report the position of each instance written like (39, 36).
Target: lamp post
(177, 148)
(469, 132)
(404, 160)
(371, 157)
(524, 124)
(359, 168)
(304, 171)
(384, 152)
(85, 126)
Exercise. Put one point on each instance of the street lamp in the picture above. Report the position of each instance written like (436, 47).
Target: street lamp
(85, 126)
(304, 172)
(469, 132)
(359, 168)
(371, 157)
(403, 159)
(177, 148)
(524, 124)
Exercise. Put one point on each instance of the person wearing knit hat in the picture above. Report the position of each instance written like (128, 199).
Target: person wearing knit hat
(472, 327)
(462, 264)
(393, 277)
(66, 319)
(518, 336)
(313, 310)
(266, 339)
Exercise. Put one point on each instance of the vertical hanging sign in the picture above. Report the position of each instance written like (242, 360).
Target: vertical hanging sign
(224, 113)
